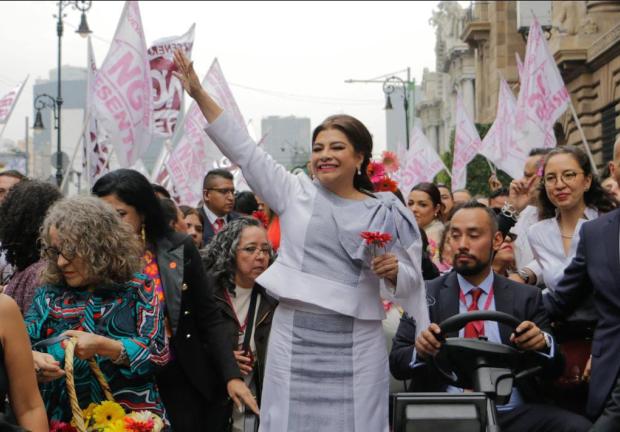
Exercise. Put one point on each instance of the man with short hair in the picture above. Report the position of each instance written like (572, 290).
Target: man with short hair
(461, 196)
(218, 195)
(474, 238)
(498, 198)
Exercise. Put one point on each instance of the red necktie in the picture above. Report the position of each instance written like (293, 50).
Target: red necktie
(219, 224)
(474, 329)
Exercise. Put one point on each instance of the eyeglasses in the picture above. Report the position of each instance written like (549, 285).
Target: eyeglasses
(510, 237)
(568, 177)
(52, 253)
(255, 250)
(223, 191)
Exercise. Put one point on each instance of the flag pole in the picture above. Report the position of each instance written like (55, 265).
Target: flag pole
(583, 137)
(77, 147)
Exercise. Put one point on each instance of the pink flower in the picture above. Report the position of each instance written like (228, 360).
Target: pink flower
(390, 161)
(376, 171)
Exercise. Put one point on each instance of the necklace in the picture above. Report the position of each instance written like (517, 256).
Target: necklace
(566, 236)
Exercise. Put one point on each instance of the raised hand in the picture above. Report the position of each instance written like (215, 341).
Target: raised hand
(186, 74)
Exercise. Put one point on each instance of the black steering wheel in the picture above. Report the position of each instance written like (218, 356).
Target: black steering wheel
(458, 357)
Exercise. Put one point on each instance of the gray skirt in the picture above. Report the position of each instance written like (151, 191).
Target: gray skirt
(325, 372)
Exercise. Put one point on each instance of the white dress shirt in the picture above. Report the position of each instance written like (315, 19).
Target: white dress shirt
(524, 257)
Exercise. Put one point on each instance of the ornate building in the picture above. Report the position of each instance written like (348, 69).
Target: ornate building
(455, 73)
(584, 38)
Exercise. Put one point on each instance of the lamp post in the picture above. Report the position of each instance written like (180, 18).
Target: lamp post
(47, 101)
(390, 82)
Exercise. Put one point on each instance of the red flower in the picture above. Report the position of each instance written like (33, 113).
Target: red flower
(58, 426)
(262, 217)
(386, 184)
(376, 238)
(375, 171)
(139, 426)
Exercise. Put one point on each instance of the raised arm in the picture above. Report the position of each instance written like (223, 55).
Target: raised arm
(266, 177)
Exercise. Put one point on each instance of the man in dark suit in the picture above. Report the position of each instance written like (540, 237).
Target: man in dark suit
(596, 269)
(218, 194)
(474, 237)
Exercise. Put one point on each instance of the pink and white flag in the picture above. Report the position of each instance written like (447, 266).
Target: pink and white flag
(498, 145)
(8, 101)
(123, 100)
(467, 144)
(195, 154)
(96, 159)
(167, 89)
(543, 97)
(420, 163)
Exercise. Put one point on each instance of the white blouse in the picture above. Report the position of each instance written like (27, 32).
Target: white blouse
(322, 260)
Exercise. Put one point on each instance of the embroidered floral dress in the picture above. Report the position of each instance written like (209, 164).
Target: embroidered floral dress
(130, 313)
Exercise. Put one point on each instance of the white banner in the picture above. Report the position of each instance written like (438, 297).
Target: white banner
(467, 144)
(543, 97)
(123, 100)
(167, 89)
(8, 101)
(420, 163)
(195, 154)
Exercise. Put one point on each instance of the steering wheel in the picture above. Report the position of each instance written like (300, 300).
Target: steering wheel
(459, 357)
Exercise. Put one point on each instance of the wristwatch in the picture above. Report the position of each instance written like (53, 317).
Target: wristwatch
(524, 275)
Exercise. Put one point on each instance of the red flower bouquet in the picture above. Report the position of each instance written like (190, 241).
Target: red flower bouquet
(376, 240)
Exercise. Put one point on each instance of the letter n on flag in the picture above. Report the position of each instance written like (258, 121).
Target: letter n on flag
(467, 144)
(123, 99)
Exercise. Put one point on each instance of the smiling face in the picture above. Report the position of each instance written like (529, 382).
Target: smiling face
(565, 182)
(334, 159)
(252, 255)
(422, 207)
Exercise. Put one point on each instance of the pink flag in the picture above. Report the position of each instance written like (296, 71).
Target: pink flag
(519, 66)
(420, 163)
(123, 100)
(195, 154)
(543, 97)
(497, 145)
(96, 160)
(467, 144)
(8, 101)
(167, 89)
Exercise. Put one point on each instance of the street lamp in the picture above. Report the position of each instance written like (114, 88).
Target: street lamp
(390, 82)
(47, 101)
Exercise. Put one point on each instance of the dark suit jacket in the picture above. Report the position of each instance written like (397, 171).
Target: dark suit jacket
(522, 301)
(595, 269)
(198, 326)
(207, 229)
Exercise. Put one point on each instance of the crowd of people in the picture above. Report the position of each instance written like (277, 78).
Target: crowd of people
(201, 313)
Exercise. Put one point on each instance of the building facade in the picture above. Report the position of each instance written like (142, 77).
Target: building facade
(287, 139)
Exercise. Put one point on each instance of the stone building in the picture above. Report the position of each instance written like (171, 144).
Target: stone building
(584, 38)
(454, 73)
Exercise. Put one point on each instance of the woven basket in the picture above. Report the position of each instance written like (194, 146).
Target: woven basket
(78, 418)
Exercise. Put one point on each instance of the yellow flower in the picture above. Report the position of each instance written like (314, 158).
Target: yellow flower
(88, 412)
(107, 414)
(117, 426)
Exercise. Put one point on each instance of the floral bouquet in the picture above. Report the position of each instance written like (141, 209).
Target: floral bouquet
(109, 416)
(376, 240)
(379, 172)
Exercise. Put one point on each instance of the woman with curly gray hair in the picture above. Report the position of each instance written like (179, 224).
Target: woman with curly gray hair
(92, 293)
(236, 256)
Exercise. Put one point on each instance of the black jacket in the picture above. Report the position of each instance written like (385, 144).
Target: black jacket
(207, 229)
(199, 337)
(522, 301)
(595, 269)
(263, 319)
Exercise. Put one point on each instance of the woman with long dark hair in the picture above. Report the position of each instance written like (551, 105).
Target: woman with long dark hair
(425, 202)
(193, 320)
(325, 370)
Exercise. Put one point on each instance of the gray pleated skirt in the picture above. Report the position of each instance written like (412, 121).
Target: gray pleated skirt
(325, 372)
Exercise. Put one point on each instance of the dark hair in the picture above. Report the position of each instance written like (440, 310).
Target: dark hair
(218, 172)
(539, 151)
(400, 196)
(597, 196)
(360, 138)
(169, 209)
(606, 173)
(473, 204)
(445, 186)
(498, 193)
(13, 173)
(21, 217)
(134, 189)
(433, 192)
(188, 210)
(161, 190)
(245, 202)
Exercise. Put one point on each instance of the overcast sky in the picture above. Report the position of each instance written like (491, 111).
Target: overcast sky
(296, 55)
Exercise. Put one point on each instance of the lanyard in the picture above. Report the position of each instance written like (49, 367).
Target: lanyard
(487, 304)
(247, 326)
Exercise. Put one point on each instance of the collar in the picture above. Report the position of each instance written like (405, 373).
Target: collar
(211, 216)
(485, 286)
